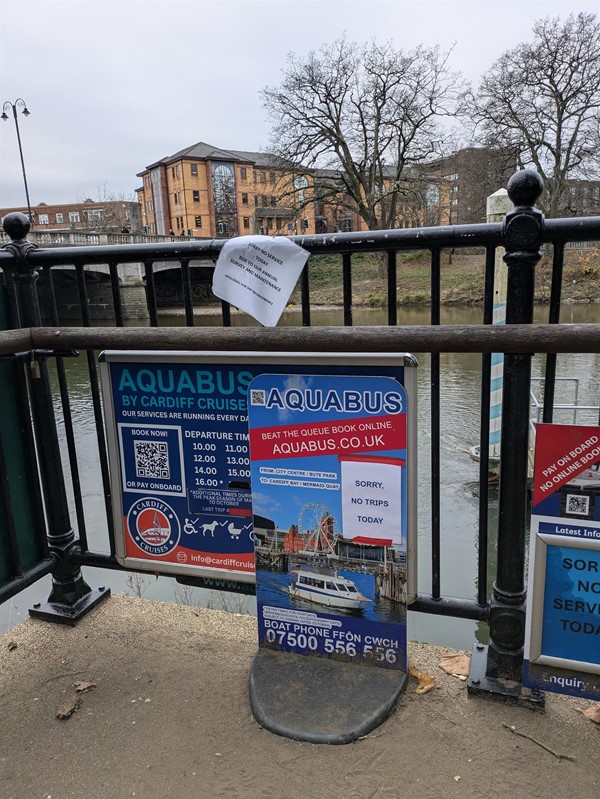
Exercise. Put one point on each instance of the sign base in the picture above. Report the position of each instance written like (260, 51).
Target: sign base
(319, 700)
(497, 687)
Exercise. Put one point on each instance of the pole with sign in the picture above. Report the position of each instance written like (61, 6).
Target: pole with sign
(330, 463)
(562, 647)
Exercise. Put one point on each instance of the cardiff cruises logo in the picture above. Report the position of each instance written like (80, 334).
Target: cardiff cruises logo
(154, 526)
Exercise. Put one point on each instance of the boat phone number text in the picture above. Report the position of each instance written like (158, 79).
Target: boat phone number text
(346, 644)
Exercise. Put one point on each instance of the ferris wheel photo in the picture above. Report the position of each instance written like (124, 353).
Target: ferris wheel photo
(319, 528)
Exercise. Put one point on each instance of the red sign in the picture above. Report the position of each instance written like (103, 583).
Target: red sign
(370, 434)
(562, 451)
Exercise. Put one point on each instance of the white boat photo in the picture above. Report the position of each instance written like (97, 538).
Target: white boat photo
(329, 590)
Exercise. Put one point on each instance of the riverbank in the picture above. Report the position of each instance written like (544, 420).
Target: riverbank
(462, 279)
(168, 717)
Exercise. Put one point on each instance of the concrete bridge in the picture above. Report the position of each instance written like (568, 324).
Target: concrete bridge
(131, 276)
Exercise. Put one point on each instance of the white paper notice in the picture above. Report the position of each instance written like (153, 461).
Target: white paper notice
(371, 507)
(258, 274)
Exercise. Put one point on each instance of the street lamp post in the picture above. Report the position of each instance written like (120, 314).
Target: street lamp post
(19, 103)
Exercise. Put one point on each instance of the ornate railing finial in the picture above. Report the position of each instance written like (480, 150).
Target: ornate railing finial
(16, 226)
(523, 229)
(525, 187)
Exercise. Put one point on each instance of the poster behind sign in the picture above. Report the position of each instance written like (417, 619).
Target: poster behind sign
(182, 447)
(327, 458)
(178, 446)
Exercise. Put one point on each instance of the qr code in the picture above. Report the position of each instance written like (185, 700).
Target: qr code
(578, 505)
(152, 459)
(257, 397)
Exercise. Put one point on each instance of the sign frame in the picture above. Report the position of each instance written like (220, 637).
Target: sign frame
(383, 364)
(541, 542)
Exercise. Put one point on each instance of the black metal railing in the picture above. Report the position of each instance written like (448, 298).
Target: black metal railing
(522, 236)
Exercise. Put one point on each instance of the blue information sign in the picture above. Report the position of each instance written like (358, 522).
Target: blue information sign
(328, 462)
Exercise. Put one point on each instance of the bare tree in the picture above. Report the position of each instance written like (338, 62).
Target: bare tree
(108, 211)
(542, 100)
(365, 114)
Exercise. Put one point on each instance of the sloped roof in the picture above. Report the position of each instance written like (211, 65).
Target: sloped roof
(204, 151)
(264, 159)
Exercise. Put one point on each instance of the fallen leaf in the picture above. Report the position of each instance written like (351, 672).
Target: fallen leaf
(592, 713)
(81, 686)
(426, 681)
(69, 707)
(457, 778)
(456, 665)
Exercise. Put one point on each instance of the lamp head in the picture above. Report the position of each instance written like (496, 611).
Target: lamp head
(4, 116)
(26, 112)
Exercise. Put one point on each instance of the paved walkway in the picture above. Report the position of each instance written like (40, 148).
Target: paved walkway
(170, 717)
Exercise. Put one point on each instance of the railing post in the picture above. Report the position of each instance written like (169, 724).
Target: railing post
(71, 597)
(497, 669)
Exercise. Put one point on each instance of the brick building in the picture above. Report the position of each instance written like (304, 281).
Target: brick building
(206, 191)
(112, 216)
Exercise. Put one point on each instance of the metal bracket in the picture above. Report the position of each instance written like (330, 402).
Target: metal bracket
(32, 355)
(64, 613)
(481, 684)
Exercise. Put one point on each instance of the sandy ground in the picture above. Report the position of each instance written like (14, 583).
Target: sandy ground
(170, 717)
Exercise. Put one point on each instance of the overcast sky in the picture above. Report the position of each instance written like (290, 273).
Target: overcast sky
(113, 85)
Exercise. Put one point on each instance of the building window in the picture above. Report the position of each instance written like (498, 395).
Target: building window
(94, 216)
(432, 194)
(263, 177)
(43, 219)
(244, 199)
(194, 170)
(256, 200)
(59, 219)
(73, 216)
(273, 201)
(196, 196)
(175, 198)
(272, 178)
(263, 200)
(246, 223)
(243, 173)
(269, 224)
(198, 221)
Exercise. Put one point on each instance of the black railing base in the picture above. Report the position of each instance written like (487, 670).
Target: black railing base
(480, 683)
(62, 613)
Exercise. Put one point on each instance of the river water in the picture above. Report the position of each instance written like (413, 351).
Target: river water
(460, 396)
